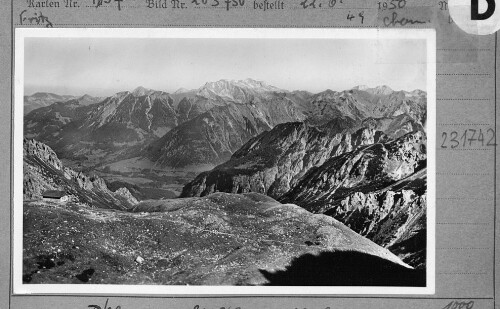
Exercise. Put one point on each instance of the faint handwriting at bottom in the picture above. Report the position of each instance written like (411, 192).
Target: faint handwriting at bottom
(105, 306)
(36, 18)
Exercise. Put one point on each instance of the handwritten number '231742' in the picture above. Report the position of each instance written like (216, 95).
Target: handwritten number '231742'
(469, 138)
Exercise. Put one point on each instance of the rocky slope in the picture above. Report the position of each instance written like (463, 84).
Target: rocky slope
(274, 162)
(212, 137)
(373, 182)
(378, 190)
(44, 171)
(222, 239)
(128, 117)
(366, 169)
(393, 217)
(394, 127)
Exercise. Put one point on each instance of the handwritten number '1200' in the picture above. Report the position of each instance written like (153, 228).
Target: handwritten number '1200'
(460, 305)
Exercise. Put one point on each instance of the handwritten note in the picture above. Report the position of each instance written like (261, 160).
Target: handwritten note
(105, 306)
(387, 13)
(460, 305)
(35, 18)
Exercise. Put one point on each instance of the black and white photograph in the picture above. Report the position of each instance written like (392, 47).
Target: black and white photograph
(224, 161)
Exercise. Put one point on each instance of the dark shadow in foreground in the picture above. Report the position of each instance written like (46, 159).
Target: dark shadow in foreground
(345, 268)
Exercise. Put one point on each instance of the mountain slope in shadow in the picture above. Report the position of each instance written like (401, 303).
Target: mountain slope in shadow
(344, 268)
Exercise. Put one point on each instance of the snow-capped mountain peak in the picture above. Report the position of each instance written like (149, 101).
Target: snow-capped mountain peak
(181, 90)
(385, 90)
(379, 90)
(361, 87)
(247, 84)
(141, 91)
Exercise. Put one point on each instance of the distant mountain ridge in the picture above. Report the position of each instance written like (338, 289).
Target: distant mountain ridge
(127, 121)
(270, 106)
(212, 122)
(120, 123)
(43, 99)
(362, 104)
(212, 137)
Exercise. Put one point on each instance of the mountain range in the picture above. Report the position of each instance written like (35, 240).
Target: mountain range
(202, 126)
(43, 99)
(357, 155)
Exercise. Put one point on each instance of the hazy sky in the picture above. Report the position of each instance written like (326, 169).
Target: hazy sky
(105, 66)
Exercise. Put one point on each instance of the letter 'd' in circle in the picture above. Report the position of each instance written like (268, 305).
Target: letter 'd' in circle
(475, 16)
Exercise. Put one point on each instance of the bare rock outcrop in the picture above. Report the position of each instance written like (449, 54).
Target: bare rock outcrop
(275, 161)
(44, 171)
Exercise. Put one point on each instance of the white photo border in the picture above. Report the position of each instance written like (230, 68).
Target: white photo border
(429, 35)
